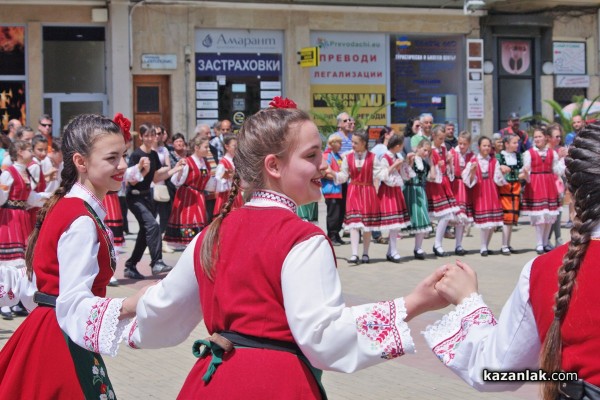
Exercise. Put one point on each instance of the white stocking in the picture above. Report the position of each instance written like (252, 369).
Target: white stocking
(392, 248)
(440, 231)
(419, 240)
(459, 231)
(354, 239)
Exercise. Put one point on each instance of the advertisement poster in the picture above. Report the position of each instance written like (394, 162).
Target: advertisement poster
(12, 102)
(569, 58)
(425, 77)
(12, 50)
(352, 67)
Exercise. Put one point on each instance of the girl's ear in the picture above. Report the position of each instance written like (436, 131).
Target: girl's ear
(273, 166)
(80, 163)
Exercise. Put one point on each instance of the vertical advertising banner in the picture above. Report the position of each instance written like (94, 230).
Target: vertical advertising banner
(427, 77)
(353, 67)
(12, 70)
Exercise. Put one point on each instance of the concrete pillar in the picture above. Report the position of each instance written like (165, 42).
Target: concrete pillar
(120, 97)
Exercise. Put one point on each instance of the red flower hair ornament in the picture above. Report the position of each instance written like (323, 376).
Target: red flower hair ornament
(124, 124)
(279, 102)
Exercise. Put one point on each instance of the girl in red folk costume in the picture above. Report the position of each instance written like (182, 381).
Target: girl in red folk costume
(483, 175)
(189, 206)
(362, 204)
(39, 146)
(461, 155)
(224, 175)
(16, 195)
(55, 353)
(442, 204)
(540, 197)
(394, 213)
(542, 325)
(276, 313)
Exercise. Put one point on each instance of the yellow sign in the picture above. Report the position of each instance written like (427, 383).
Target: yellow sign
(309, 57)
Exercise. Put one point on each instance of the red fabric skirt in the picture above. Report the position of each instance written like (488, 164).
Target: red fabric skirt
(36, 363)
(464, 199)
(540, 195)
(114, 218)
(15, 228)
(486, 204)
(440, 198)
(252, 374)
(222, 199)
(392, 207)
(188, 216)
(362, 208)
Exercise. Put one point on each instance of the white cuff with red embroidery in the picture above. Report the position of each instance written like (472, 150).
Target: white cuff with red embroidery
(445, 336)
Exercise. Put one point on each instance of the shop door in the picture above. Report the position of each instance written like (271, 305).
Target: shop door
(151, 100)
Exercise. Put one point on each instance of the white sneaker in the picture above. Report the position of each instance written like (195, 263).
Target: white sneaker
(166, 248)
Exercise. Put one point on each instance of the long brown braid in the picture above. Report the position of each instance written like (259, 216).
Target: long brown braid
(583, 175)
(210, 253)
(269, 131)
(79, 136)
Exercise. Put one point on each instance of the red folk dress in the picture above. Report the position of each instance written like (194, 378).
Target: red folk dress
(39, 361)
(487, 210)
(462, 194)
(114, 217)
(392, 206)
(40, 187)
(441, 201)
(246, 297)
(540, 197)
(362, 203)
(188, 216)
(222, 196)
(15, 220)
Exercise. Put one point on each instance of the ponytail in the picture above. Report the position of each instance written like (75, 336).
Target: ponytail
(209, 252)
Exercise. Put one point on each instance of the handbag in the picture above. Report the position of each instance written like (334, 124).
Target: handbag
(161, 193)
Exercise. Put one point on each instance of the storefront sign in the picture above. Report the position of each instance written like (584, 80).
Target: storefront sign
(569, 58)
(515, 57)
(427, 77)
(238, 65)
(475, 95)
(159, 61)
(353, 67)
(573, 81)
(309, 57)
(238, 41)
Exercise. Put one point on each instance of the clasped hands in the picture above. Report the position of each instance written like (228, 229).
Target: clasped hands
(449, 284)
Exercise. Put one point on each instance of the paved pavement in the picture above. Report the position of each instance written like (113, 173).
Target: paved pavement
(158, 374)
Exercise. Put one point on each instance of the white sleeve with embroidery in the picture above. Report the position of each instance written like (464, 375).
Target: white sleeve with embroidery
(466, 175)
(14, 285)
(331, 335)
(91, 322)
(527, 163)
(172, 302)
(179, 178)
(344, 174)
(499, 179)
(223, 184)
(558, 164)
(391, 179)
(133, 175)
(470, 339)
(6, 180)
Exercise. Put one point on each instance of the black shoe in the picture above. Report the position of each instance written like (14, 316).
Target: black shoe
(19, 310)
(365, 259)
(339, 240)
(334, 242)
(505, 251)
(484, 253)
(548, 248)
(7, 315)
(490, 252)
(419, 256)
(354, 260)
(131, 272)
(513, 251)
(160, 267)
(439, 253)
(459, 251)
(539, 249)
(394, 258)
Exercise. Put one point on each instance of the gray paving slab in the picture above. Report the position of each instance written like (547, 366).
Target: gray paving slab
(158, 374)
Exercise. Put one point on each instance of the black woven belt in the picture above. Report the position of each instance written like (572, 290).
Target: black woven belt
(15, 204)
(44, 300)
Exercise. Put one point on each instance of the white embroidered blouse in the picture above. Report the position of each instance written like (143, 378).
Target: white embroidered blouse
(332, 335)
(484, 165)
(469, 339)
(78, 311)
